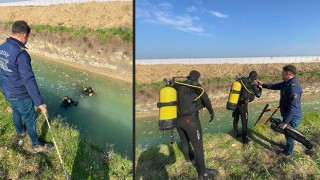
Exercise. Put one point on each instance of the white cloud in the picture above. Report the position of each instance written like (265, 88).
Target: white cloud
(184, 23)
(162, 14)
(219, 15)
(194, 29)
(166, 5)
(191, 9)
(141, 13)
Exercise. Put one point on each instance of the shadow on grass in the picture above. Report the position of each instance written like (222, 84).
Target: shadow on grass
(152, 163)
(44, 162)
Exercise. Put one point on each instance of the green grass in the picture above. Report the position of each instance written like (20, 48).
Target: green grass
(82, 159)
(216, 80)
(222, 152)
(156, 85)
(125, 34)
(309, 74)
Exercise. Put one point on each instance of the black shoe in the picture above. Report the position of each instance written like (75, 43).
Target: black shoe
(210, 174)
(247, 140)
(203, 177)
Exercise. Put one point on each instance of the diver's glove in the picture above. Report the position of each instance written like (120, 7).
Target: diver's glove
(211, 117)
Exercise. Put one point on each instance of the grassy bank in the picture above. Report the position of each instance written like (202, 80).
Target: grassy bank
(83, 160)
(125, 34)
(258, 160)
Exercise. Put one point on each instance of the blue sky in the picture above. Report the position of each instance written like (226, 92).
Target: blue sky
(226, 28)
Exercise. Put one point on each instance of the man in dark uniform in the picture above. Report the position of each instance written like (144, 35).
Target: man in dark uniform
(248, 91)
(290, 103)
(19, 85)
(188, 123)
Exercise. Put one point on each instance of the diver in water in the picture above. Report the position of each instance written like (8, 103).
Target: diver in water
(88, 91)
(67, 101)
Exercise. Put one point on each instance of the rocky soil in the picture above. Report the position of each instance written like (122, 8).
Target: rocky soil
(113, 59)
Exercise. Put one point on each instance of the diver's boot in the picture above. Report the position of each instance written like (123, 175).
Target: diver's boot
(246, 140)
(210, 174)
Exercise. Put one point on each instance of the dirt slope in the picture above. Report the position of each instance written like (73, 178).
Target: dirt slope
(155, 73)
(92, 15)
(113, 59)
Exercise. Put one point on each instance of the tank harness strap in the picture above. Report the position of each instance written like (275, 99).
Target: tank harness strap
(245, 87)
(193, 86)
(234, 91)
(163, 104)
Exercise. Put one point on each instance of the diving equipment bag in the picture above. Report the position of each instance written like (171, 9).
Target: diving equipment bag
(290, 131)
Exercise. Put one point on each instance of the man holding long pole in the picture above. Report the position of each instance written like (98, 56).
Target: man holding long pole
(19, 85)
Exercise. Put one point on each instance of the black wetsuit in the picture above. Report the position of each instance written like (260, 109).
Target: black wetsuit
(242, 107)
(65, 103)
(188, 123)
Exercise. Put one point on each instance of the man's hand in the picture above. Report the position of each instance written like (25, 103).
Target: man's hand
(283, 125)
(43, 108)
(211, 117)
(259, 83)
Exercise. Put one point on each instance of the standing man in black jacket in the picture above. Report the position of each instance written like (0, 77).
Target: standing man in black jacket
(188, 123)
(249, 90)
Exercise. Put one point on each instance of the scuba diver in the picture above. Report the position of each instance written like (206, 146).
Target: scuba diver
(249, 91)
(67, 102)
(188, 123)
(290, 104)
(88, 91)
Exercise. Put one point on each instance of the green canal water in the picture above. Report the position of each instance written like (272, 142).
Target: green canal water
(148, 134)
(105, 118)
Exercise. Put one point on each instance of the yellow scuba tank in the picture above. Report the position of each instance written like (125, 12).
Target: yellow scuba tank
(234, 95)
(168, 107)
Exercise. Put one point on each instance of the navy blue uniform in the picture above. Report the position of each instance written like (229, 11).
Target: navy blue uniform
(18, 81)
(290, 99)
(290, 107)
